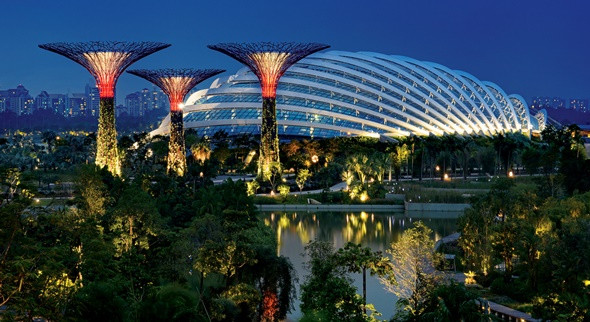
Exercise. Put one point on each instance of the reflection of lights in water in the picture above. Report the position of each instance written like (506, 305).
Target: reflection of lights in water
(272, 216)
(364, 216)
(314, 217)
(341, 227)
(372, 217)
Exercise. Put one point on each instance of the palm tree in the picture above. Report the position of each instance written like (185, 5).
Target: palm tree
(433, 146)
(400, 155)
(465, 146)
(201, 151)
(379, 163)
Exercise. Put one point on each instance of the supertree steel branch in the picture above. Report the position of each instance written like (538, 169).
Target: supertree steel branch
(106, 61)
(176, 83)
(269, 61)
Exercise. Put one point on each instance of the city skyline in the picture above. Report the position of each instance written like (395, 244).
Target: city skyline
(83, 102)
(530, 49)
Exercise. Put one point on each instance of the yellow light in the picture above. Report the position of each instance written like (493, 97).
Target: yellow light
(510, 174)
(180, 106)
(364, 215)
(437, 168)
(314, 158)
(446, 176)
(364, 197)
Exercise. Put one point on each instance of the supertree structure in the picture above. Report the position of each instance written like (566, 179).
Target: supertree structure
(176, 83)
(106, 61)
(268, 61)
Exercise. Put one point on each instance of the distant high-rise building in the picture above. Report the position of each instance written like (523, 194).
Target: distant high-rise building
(134, 104)
(92, 99)
(541, 102)
(158, 100)
(18, 100)
(77, 105)
(579, 104)
(42, 101)
(140, 102)
(59, 103)
(120, 109)
(145, 100)
(2, 104)
(558, 103)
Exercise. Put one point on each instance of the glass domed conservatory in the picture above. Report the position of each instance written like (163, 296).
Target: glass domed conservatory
(340, 93)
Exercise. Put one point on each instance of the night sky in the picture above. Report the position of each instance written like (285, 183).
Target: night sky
(532, 48)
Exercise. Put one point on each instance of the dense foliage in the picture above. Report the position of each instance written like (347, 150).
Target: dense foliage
(530, 242)
(148, 246)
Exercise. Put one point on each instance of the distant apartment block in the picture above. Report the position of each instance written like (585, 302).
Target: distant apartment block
(17, 100)
(579, 104)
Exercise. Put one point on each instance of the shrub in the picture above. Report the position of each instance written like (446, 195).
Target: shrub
(284, 190)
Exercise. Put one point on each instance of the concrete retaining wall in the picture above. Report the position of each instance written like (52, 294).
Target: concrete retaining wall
(439, 207)
(367, 207)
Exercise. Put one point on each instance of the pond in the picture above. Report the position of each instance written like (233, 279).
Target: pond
(375, 230)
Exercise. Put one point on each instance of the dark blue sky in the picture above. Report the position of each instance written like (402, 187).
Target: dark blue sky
(527, 47)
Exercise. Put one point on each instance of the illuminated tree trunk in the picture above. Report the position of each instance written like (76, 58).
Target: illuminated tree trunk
(268, 61)
(107, 153)
(269, 137)
(176, 148)
(106, 60)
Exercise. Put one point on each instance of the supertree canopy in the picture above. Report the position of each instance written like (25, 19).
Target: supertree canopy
(106, 61)
(269, 61)
(176, 83)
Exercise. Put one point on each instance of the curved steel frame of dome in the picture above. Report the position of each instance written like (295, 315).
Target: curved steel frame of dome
(341, 93)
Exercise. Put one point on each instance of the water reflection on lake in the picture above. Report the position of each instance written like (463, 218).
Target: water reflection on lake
(376, 230)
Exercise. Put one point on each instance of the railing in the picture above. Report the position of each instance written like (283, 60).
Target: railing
(505, 313)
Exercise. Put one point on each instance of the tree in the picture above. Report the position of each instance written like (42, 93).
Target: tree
(413, 257)
(273, 175)
(358, 259)
(135, 220)
(398, 156)
(201, 151)
(253, 186)
(327, 293)
(452, 302)
(301, 178)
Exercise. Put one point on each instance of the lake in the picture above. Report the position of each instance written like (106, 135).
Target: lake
(375, 230)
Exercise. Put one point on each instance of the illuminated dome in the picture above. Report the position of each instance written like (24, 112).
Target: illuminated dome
(341, 93)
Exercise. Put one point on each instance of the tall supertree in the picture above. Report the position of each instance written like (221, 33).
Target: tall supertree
(106, 61)
(269, 61)
(176, 83)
